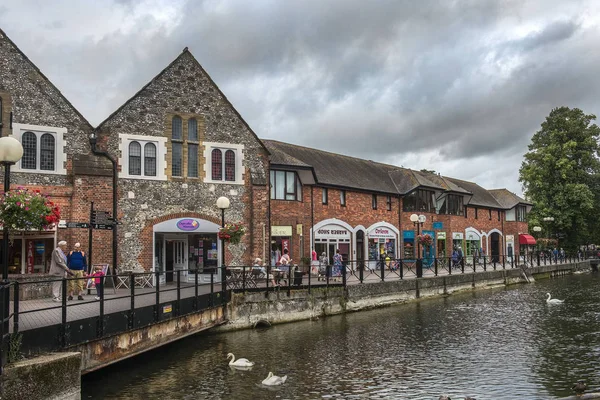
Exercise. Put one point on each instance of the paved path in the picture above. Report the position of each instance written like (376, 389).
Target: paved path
(45, 312)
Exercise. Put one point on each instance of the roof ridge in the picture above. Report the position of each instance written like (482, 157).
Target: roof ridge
(45, 78)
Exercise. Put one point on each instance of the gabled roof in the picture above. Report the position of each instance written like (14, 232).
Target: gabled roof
(507, 199)
(336, 169)
(185, 53)
(481, 197)
(48, 81)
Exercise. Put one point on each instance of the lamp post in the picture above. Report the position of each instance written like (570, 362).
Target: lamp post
(418, 221)
(11, 152)
(223, 204)
(549, 219)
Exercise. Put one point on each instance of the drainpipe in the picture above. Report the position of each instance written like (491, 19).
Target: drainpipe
(95, 151)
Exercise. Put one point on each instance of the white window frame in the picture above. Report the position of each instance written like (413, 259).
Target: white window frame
(238, 149)
(161, 155)
(60, 156)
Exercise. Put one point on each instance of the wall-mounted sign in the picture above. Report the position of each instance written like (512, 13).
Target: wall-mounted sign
(167, 309)
(472, 236)
(381, 232)
(441, 235)
(281, 230)
(188, 224)
(332, 231)
(458, 235)
(438, 225)
(408, 234)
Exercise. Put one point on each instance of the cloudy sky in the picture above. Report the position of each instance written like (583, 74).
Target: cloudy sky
(455, 86)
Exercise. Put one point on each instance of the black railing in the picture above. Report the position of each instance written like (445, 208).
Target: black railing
(143, 299)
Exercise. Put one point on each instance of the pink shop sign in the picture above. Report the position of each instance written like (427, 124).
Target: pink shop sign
(188, 224)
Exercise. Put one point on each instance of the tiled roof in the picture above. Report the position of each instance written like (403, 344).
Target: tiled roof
(506, 198)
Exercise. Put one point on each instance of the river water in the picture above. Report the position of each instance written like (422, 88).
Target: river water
(503, 343)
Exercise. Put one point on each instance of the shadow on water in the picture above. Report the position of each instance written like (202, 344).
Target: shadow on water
(503, 343)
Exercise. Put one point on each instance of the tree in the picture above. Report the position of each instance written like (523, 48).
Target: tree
(560, 175)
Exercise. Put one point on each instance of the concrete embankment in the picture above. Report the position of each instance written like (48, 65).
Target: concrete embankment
(246, 309)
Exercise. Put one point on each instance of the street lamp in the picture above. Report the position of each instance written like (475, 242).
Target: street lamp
(11, 152)
(549, 219)
(223, 204)
(418, 221)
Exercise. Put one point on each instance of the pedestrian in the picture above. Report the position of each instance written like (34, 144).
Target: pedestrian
(99, 281)
(285, 262)
(58, 268)
(555, 253)
(77, 263)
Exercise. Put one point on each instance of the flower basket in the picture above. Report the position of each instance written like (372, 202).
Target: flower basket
(23, 209)
(232, 233)
(425, 240)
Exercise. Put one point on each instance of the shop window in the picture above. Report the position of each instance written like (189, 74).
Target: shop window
(408, 251)
(343, 198)
(419, 200)
(374, 201)
(521, 213)
(176, 159)
(324, 196)
(389, 203)
(43, 149)
(142, 157)
(285, 185)
(224, 161)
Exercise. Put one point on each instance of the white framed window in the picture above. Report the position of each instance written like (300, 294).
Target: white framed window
(43, 149)
(223, 163)
(142, 157)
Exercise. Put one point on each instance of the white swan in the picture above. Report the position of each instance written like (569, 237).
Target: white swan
(553, 301)
(240, 362)
(274, 380)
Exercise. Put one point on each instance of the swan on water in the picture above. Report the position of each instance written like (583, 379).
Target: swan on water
(240, 362)
(274, 380)
(553, 301)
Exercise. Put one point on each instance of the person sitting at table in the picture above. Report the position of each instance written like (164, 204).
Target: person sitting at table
(257, 266)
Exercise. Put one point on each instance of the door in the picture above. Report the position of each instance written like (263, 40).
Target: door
(180, 258)
(360, 249)
(495, 246)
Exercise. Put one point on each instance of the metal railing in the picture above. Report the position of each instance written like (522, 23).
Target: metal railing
(147, 298)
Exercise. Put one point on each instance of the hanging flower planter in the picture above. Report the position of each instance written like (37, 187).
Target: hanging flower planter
(232, 233)
(425, 240)
(23, 209)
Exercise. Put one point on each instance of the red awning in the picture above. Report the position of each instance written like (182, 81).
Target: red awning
(526, 239)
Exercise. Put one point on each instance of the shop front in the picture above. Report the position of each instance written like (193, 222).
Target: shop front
(473, 245)
(188, 245)
(30, 252)
(408, 245)
(382, 243)
(281, 238)
(457, 241)
(510, 248)
(428, 252)
(330, 236)
(441, 244)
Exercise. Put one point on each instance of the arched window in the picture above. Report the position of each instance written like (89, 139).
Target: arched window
(217, 165)
(29, 159)
(47, 152)
(150, 159)
(135, 158)
(176, 128)
(230, 165)
(193, 129)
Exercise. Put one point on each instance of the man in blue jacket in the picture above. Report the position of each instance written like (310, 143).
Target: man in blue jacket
(77, 264)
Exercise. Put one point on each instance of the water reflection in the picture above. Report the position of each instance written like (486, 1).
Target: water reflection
(491, 344)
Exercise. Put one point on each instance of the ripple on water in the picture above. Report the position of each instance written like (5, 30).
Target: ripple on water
(492, 344)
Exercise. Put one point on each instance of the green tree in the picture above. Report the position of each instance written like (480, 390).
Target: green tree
(560, 175)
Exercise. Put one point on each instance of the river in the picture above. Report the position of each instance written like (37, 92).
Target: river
(503, 343)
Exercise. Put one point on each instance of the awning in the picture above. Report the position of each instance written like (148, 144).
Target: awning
(526, 239)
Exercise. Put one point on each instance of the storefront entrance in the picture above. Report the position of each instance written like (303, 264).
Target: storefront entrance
(329, 237)
(30, 252)
(495, 246)
(176, 250)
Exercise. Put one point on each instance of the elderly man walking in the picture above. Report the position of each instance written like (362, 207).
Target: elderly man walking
(58, 268)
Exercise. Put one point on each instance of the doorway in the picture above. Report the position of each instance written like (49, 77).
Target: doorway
(360, 250)
(495, 246)
(176, 259)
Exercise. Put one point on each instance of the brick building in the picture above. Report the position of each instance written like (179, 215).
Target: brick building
(326, 201)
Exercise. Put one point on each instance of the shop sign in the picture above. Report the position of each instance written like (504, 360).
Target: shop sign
(510, 238)
(281, 230)
(30, 258)
(332, 232)
(408, 234)
(382, 233)
(188, 224)
(167, 309)
(441, 235)
(438, 225)
(458, 236)
(39, 247)
(472, 236)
